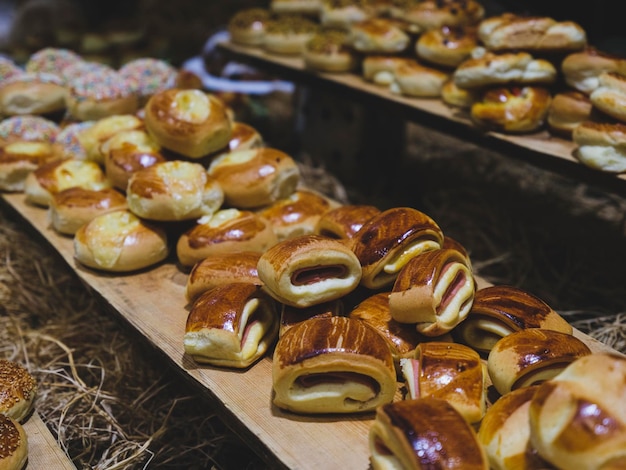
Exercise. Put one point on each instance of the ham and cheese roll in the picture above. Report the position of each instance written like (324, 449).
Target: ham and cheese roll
(291, 316)
(309, 270)
(387, 241)
(345, 221)
(332, 365)
(434, 291)
(231, 325)
(424, 433)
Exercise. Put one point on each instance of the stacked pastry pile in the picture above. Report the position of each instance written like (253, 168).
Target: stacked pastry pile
(508, 73)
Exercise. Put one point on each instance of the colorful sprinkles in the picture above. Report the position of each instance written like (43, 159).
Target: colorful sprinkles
(149, 75)
(102, 85)
(30, 128)
(67, 139)
(51, 60)
(8, 69)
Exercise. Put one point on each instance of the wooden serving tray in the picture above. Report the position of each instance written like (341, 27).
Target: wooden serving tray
(153, 302)
(43, 449)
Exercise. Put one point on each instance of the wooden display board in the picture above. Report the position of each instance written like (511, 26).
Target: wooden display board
(153, 302)
(43, 450)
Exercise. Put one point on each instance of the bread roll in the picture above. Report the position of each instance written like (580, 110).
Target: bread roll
(247, 26)
(332, 365)
(222, 268)
(531, 356)
(578, 419)
(567, 110)
(19, 159)
(291, 316)
(378, 36)
(287, 34)
(51, 60)
(73, 207)
(457, 97)
(18, 389)
(446, 46)
(93, 137)
(343, 14)
(8, 68)
(424, 433)
(432, 14)
(309, 270)
(434, 291)
(255, 178)
(450, 371)
(328, 51)
(414, 79)
(226, 231)
(581, 70)
(300, 7)
(119, 241)
(32, 94)
(244, 137)
(343, 222)
(28, 128)
(149, 76)
(601, 146)
(498, 311)
(67, 143)
(190, 122)
(13, 444)
(231, 325)
(610, 96)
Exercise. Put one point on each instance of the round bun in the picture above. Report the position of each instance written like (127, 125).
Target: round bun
(28, 128)
(327, 51)
(92, 137)
(432, 14)
(610, 96)
(148, 76)
(244, 137)
(119, 241)
(343, 14)
(414, 79)
(512, 109)
(32, 94)
(13, 444)
(247, 26)
(287, 34)
(51, 60)
(601, 145)
(345, 221)
(72, 208)
(18, 389)
(462, 98)
(173, 190)
(190, 122)
(256, 177)
(381, 69)
(581, 70)
(19, 159)
(299, 7)
(567, 110)
(446, 46)
(378, 36)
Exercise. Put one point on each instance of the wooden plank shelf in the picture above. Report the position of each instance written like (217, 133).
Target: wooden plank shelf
(153, 303)
(43, 449)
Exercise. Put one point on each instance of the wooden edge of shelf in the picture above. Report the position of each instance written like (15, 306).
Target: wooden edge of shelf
(43, 449)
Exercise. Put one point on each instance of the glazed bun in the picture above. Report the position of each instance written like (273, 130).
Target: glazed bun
(32, 94)
(432, 14)
(14, 448)
(601, 145)
(610, 96)
(567, 110)
(378, 36)
(381, 69)
(190, 122)
(119, 241)
(327, 51)
(446, 46)
(343, 14)
(581, 70)
(19, 159)
(247, 26)
(414, 79)
(244, 137)
(18, 389)
(462, 98)
(343, 222)
(91, 138)
(288, 34)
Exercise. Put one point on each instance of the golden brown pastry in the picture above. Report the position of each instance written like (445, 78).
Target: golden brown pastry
(446, 46)
(343, 13)
(231, 325)
(581, 70)
(378, 36)
(92, 137)
(380, 69)
(244, 137)
(190, 122)
(462, 98)
(226, 231)
(291, 316)
(343, 222)
(434, 291)
(387, 241)
(501, 310)
(308, 270)
(51, 60)
(173, 190)
(287, 34)
(432, 14)
(578, 419)
(18, 389)
(328, 51)
(301, 7)
(247, 26)
(13, 444)
(610, 96)
(332, 365)
(413, 79)
(567, 110)
(148, 75)
(601, 145)
(450, 371)
(450, 243)
(531, 356)
(222, 268)
(255, 178)
(19, 159)
(32, 94)
(119, 241)
(27, 129)
(424, 433)
(512, 109)
(73, 207)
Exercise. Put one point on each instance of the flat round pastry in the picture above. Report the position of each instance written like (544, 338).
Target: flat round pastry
(387, 241)
(309, 270)
(256, 177)
(302, 7)
(149, 76)
(287, 34)
(601, 145)
(328, 51)
(32, 94)
(51, 60)
(232, 325)
(610, 96)
(173, 190)
(190, 122)
(291, 316)
(297, 214)
(332, 365)
(343, 13)
(18, 389)
(450, 371)
(446, 46)
(13, 444)
(55, 176)
(500, 310)
(73, 207)
(127, 152)
(247, 26)
(531, 33)
(91, 138)
(491, 69)
(531, 356)
(512, 109)
(414, 79)
(434, 291)
(567, 110)
(27, 128)
(424, 433)
(378, 36)
(18, 159)
(119, 241)
(345, 221)
(227, 231)
(381, 69)
(581, 70)
(222, 268)
(578, 419)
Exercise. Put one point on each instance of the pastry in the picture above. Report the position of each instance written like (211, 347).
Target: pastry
(19, 159)
(343, 13)
(148, 76)
(328, 51)
(14, 444)
(610, 96)
(301, 7)
(67, 143)
(446, 46)
(567, 110)
(119, 241)
(378, 36)
(247, 26)
(51, 60)
(413, 79)
(458, 97)
(581, 70)
(309, 270)
(332, 365)
(343, 222)
(244, 137)
(287, 34)
(387, 241)
(32, 94)
(28, 128)
(601, 145)
(91, 138)
(8, 68)
(231, 325)
(424, 433)
(18, 389)
(432, 14)
(291, 316)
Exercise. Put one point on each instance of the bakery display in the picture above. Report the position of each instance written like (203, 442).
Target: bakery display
(92, 137)
(248, 26)
(600, 145)
(378, 36)
(32, 93)
(446, 46)
(18, 389)
(288, 34)
(610, 95)
(411, 78)
(13, 444)
(432, 14)
(328, 51)
(581, 70)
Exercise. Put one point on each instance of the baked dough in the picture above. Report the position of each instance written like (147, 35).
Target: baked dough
(332, 365)
(610, 96)
(446, 46)
(381, 69)
(342, 14)
(13, 444)
(414, 79)
(343, 222)
(378, 36)
(19, 159)
(231, 325)
(92, 137)
(581, 70)
(247, 26)
(432, 14)
(18, 389)
(328, 51)
(601, 145)
(567, 110)
(291, 316)
(32, 94)
(287, 34)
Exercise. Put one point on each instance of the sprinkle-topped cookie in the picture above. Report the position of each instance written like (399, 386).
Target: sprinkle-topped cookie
(29, 128)
(149, 75)
(75, 70)
(51, 60)
(100, 85)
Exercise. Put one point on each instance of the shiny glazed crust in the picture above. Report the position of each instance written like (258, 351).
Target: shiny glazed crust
(601, 145)
(567, 110)
(345, 221)
(414, 79)
(581, 70)
(446, 46)
(18, 159)
(610, 96)
(378, 36)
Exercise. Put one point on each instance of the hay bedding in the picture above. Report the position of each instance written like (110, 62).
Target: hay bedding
(107, 397)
